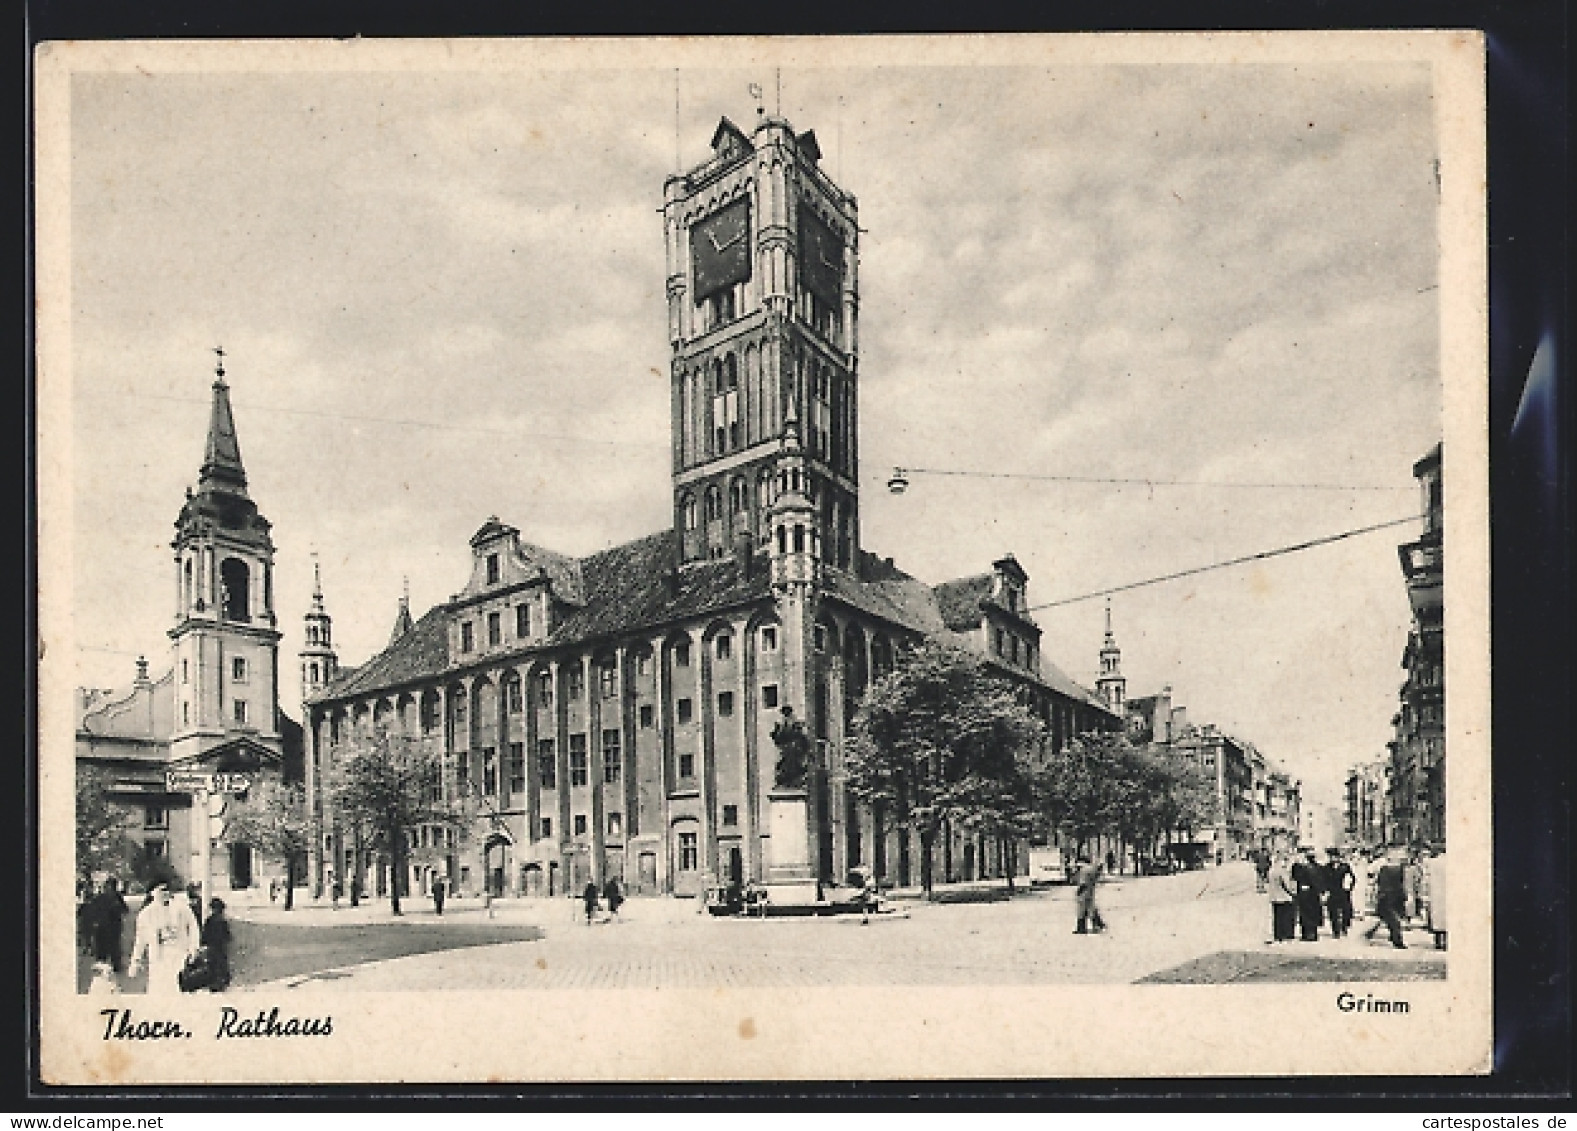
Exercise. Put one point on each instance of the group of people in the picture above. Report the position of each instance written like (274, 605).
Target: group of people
(611, 892)
(1305, 894)
(170, 933)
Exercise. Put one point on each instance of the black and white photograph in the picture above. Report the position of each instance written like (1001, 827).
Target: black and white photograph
(748, 559)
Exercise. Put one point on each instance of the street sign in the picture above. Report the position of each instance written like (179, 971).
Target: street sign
(190, 781)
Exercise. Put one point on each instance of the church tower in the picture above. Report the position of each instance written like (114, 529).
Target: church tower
(762, 317)
(1111, 686)
(225, 640)
(319, 663)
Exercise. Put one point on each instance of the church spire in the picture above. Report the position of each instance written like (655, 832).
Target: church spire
(222, 454)
(402, 619)
(1111, 685)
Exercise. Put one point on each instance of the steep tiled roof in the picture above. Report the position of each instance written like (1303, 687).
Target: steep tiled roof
(422, 651)
(959, 601)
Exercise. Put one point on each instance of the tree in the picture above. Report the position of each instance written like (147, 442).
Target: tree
(390, 785)
(274, 819)
(102, 842)
(940, 740)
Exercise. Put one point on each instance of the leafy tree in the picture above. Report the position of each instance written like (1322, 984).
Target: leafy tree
(940, 740)
(102, 842)
(390, 785)
(274, 819)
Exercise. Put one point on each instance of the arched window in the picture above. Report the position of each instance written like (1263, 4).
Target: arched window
(738, 498)
(235, 583)
(714, 503)
(188, 572)
(687, 509)
(730, 373)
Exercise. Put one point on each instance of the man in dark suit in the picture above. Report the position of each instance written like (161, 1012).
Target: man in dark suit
(1390, 893)
(1339, 883)
(1309, 878)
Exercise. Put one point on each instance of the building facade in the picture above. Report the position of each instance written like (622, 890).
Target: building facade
(217, 709)
(1418, 751)
(611, 716)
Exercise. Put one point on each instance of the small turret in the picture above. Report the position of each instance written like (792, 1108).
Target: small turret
(319, 663)
(795, 548)
(1111, 686)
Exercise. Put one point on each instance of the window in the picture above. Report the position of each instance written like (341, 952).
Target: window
(495, 629)
(575, 681)
(155, 817)
(685, 710)
(547, 764)
(714, 497)
(769, 638)
(512, 695)
(545, 689)
(769, 696)
(186, 713)
(646, 716)
(725, 645)
(615, 824)
(517, 768)
(546, 829)
(687, 765)
(608, 680)
(492, 569)
(185, 672)
(730, 816)
(580, 824)
(578, 773)
(682, 654)
(738, 496)
(689, 854)
(489, 771)
(643, 663)
(1013, 647)
(1001, 650)
(687, 508)
(821, 638)
(459, 711)
(610, 756)
(467, 637)
(238, 669)
(240, 712)
(725, 703)
(522, 620)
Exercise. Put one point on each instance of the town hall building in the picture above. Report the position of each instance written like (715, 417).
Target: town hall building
(612, 716)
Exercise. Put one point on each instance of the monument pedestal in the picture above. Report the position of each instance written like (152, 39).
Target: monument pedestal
(791, 879)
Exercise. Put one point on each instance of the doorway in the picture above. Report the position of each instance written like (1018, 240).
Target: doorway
(240, 866)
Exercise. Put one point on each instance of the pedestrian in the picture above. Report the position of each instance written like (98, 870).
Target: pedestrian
(216, 941)
(1283, 899)
(273, 888)
(104, 920)
(335, 891)
(1390, 894)
(1437, 897)
(615, 897)
(1308, 880)
(1111, 861)
(103, 981)
(1088, 877)
(194, 899)
(1261, 869)
(1414, 872)
(166, 938)
(1339, 884)
(439, 891)
(590, 898)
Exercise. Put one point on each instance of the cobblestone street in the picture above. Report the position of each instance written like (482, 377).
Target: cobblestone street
(1157, 925)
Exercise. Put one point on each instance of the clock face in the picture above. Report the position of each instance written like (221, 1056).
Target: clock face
(821, 258)
(720, 250)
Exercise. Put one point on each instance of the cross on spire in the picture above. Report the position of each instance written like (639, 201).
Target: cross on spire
(219, 364)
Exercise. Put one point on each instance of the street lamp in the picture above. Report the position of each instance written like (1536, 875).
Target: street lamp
(899, 482)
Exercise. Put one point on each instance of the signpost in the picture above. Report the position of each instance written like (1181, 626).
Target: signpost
(204, 785)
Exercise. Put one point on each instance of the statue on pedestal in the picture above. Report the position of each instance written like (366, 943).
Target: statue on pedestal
(794, 748)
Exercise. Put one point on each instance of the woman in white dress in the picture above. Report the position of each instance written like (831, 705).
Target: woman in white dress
(166, 937)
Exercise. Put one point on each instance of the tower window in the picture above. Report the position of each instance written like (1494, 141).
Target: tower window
(235, 589)
(495, 629)
(687, 510)
(575, 682)
(608, 679)
(579, 773)
(738, 496)
(685, 709)
(547, 765)
(714, 497)
(725, 645)
(611, 765)
(240, 712)
(545, 689)
(467, 636)
(517, 768)
(186, 714)
(522, 620)
(489, 771)
(682, 654)
(492, 569)
(512, 695)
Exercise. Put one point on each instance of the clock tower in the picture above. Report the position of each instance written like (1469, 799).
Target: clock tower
(225, 640)
(762, 252)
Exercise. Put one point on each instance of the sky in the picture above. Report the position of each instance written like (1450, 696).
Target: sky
(440, 297)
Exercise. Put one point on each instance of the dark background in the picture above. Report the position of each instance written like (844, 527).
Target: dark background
(1530, 472)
